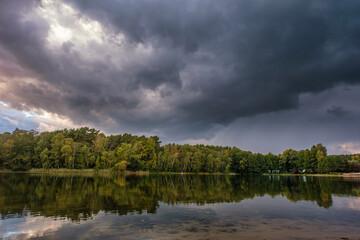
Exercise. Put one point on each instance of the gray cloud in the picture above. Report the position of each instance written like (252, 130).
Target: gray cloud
(183, 68)
(338, 111)
(298, 128)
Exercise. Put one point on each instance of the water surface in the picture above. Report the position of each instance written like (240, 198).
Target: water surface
(178, 207)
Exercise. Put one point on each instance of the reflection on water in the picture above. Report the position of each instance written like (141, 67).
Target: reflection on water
(178, 207)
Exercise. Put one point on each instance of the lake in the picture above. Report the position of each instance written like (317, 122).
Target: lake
(44, 206)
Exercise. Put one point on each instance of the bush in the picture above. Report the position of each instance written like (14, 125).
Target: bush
(20, 163)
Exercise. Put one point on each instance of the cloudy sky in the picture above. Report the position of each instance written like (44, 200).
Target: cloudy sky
(256, 74)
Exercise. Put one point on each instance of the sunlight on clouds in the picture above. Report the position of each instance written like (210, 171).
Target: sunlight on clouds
(88, 37)
(350, 147)
(85, 36)
(36, 118)
(60, 33)
(10, 115)
(92, 27)
(67, 24)
(4, 104)
(10, 120)
(2, 84)
(51, 122)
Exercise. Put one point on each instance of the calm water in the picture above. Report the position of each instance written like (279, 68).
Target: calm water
(178, 207)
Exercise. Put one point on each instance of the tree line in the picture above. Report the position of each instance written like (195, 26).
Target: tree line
(88, 148)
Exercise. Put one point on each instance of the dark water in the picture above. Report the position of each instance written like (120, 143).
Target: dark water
(178, 207)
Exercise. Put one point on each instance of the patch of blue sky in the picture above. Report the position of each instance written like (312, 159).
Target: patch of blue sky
(10, 119)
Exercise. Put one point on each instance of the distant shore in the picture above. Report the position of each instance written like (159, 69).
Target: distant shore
(336, 174)
(109, 171)
(105, 171)
(72, 171)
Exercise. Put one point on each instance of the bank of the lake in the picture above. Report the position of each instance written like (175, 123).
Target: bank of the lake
(73, 171)
(336, 174)
(109, 171)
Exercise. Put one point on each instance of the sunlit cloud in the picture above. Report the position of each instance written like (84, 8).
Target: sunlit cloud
(10, 120)
(39, 120)
(68, 25)
(61, 33)
(350, 147)
(51, 122)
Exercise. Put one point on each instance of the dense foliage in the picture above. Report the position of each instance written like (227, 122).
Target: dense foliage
(85, 148)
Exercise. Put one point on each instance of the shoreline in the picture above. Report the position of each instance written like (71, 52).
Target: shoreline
(73, 171)
(108, 171)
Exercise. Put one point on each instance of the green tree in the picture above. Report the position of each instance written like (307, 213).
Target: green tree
(326, 164)
(67, 155)
(272, 162)
(45, 159)
(57, 142)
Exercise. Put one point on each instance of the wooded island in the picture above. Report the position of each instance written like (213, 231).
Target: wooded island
(88, 148)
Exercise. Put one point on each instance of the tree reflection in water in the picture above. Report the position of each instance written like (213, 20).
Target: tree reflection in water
(80, 197)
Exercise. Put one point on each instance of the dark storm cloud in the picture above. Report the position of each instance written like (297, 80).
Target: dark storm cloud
(210, 62)
(300, 128)
(264, 54)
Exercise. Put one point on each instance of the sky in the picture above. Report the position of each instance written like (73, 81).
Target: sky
(260, 75)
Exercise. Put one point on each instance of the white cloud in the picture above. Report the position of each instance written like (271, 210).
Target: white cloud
(10, 120)
(350, 147)
(61, 33)
(34, 119)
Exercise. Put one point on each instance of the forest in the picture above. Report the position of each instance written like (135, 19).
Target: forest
(88, 148)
